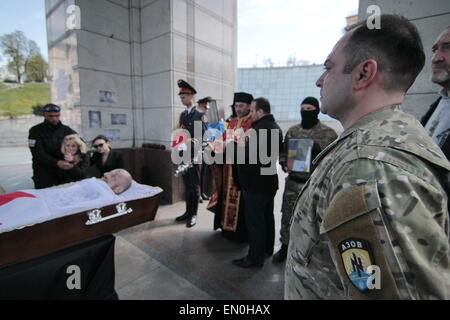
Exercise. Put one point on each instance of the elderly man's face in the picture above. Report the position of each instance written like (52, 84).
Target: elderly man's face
(242, 109)
(335, 86)
(115, 180)
(441, 60)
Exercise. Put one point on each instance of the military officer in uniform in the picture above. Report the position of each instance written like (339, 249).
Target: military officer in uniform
(372, 221)
(322, 135)
(45, 141)
(205, 171)
(192, 176)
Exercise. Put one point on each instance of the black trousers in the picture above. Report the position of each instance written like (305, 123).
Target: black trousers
(45, 178)
(260, 224)
(192, 183)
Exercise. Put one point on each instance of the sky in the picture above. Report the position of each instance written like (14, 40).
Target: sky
(276, 29)
(272, 29)
(27, 16)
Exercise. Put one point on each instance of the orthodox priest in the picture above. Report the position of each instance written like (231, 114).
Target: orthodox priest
(226, 201)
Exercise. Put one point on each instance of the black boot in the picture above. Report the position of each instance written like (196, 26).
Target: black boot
(281, 255)
(185, 216)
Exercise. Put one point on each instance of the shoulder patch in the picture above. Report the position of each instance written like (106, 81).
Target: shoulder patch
(31, 143)
(357, 256)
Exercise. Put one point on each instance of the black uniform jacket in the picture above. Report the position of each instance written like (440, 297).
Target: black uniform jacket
(187, 122)
(45, 142)
(249, 175)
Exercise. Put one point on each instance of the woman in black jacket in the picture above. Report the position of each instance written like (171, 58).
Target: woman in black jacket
(104, 158)
(73, 151)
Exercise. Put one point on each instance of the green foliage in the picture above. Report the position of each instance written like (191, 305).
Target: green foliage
(36, 69)
(19, 50)
(20, 101)
(38, 110)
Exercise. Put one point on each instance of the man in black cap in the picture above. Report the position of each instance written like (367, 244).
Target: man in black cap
(45, 141)
(203, 104)
(192, 176)
(322, 135)
(205, 173)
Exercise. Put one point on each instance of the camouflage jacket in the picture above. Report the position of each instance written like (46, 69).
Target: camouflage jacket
(320, 133)
(377, 198)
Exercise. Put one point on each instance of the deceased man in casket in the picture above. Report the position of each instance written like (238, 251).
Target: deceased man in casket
(29, 207)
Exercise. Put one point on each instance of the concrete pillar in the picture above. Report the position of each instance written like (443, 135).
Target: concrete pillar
(124, 60)
(431, 18)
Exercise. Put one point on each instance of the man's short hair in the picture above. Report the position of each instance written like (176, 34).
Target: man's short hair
(396, 46)
(262, 104)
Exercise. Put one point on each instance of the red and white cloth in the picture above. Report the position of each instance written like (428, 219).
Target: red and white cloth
(19, 209)
(28, 207)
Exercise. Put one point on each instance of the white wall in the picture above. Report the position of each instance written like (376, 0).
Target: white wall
(139, 49)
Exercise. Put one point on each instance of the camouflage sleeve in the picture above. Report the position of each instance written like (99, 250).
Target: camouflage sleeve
(395, 221)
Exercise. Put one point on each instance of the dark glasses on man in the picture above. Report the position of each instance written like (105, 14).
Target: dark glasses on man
(52, 109)
(99, 145)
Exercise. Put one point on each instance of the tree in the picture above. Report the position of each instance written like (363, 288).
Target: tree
(268, 63)
(292, 61)
(20, 50)
(36, 69)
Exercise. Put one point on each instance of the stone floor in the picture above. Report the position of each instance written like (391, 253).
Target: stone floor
(164, 260)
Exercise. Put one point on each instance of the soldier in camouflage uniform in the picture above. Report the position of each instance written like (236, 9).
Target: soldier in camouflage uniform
(322, 135)
(378, 196)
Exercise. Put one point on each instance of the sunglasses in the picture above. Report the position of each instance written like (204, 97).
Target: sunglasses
(52, 109)
(99, 145)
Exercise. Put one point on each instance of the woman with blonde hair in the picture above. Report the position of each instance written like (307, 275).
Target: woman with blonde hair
(73, 152)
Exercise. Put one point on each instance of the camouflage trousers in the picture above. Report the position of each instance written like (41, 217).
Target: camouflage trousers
(292, 189)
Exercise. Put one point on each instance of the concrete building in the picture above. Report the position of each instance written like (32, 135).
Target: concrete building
(430, 17)
(115, 63)
(285, 87)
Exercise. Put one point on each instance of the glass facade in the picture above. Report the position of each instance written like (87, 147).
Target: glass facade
(285, 87)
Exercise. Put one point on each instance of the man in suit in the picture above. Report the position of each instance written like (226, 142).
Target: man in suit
(192, 176)
(437, 120)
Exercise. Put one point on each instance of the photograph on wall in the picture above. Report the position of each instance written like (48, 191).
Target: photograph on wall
(299, 155)
(108, 96)
(95, 119)
(119, 119)
(112, 134)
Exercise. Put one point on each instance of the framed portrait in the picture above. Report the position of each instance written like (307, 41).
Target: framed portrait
(107, 96)
(95, 119)
(118, 119)
(299, 155)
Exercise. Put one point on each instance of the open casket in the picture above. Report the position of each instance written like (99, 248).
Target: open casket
(74, 223)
